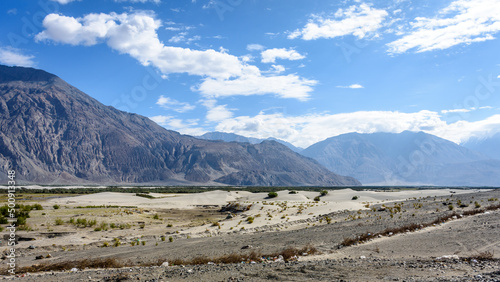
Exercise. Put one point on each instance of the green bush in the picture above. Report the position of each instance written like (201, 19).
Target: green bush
(272, 194)
(317, 198)
(355, 198)
(56, 207)
(323, 193)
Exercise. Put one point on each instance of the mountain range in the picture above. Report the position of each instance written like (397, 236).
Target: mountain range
(407, 158)
(231, 137)
(52, 133)
(488, 146)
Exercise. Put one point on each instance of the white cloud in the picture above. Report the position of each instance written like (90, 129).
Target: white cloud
(181, 37)
(270, 55)
(278, 68)
(466, 110)
(356, 20)
(289, 86)
(461, 131)
(305, 130)
(352, 86)
(462, 22)
(14, 57)
(255, 47)
(172, 104)
(64, 2)
(171, 123)
(216, 112)
(135, 34)
(498, 76)
(455, 111)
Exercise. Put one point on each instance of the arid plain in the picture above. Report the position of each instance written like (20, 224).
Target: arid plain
(241, 236)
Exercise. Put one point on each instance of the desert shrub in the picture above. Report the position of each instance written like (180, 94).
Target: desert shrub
(163, 238)
(272, 194)
(103, 226)
(170, 239)
(292, 192)
(124, 226)
(105, 244)
(59, 221)
(169, 225)
(317, 198)
(92, 222)
(250, 219)
(144, 195)
(355, 198)
(323, 192)
(56, 207)
(477, 205)
(156, 216)
(143, 243)
(450, 207)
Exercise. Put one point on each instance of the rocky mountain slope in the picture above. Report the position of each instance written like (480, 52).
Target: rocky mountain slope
(407, 158)
(488, 146)
(231, 137)
(50, 132)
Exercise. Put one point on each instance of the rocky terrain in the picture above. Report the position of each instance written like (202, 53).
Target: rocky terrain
(53, 133)
(451, 237)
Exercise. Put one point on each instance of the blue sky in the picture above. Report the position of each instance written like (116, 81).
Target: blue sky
(301, 71)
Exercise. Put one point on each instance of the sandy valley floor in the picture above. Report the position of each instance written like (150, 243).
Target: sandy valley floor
(164, 227)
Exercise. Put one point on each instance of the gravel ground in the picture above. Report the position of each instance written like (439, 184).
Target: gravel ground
(411, 256)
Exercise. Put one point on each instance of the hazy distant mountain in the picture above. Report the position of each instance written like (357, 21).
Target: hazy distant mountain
(405, 158)
(487, 146)
(53, 133)
(231, 137)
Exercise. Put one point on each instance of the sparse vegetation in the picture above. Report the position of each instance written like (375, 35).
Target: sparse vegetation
(59, 221)
(272, 195)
